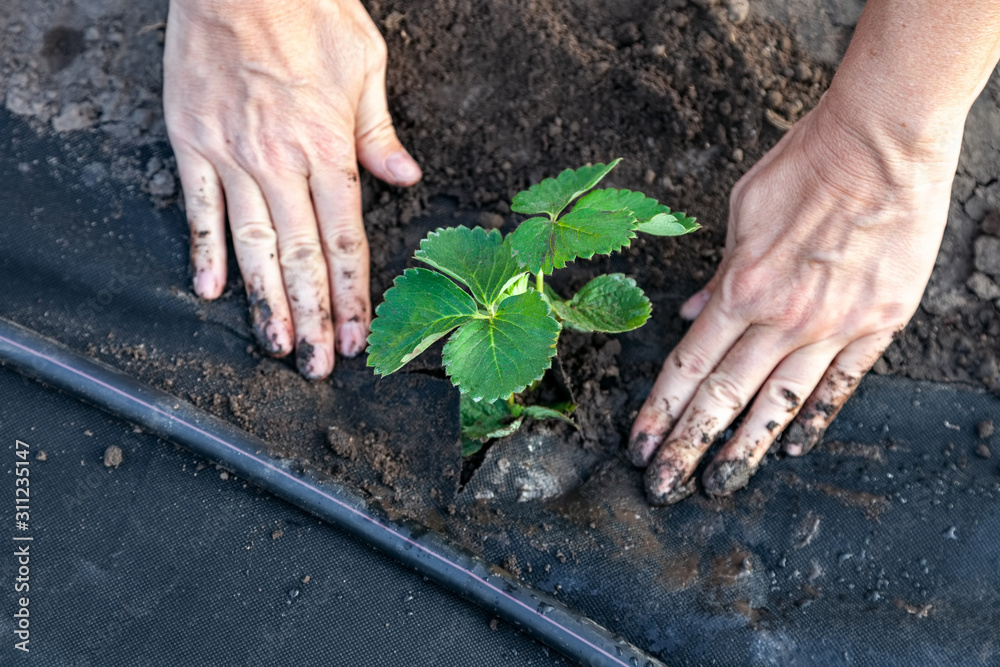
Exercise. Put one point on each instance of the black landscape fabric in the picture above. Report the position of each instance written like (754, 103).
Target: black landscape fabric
(882, 547)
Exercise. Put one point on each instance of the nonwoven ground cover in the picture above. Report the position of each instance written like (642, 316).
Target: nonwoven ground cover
(881, 543)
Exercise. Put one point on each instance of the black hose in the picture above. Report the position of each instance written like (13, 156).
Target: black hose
(429, 553)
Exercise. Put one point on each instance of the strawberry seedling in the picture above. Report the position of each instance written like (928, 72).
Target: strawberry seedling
(491, 292)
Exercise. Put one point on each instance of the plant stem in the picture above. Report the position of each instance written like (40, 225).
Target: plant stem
(540, 282)
(510, 400)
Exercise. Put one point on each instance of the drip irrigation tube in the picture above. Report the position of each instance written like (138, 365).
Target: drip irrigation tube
(413, 545)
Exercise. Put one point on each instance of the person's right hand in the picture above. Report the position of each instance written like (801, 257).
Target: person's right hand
(269, 107)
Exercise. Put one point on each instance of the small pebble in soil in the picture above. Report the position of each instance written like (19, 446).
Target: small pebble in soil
(162, 184)
(305, 579)
(223, 475)
(737, 11)
(985, 428)
(981, 285)
(774, 99)
(490, 220)
(41, 455)
(987, 255)
(113, 456)
(72, 117)
(982, 451)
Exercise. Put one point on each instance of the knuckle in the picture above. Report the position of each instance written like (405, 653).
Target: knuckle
(799, 314)
(333, 143)
(691, 364)
(301, 253)
(348, 243)
(383, 129)
(740, 292)
(785, 393)
(255, 234)
(724, 390)
(378, 52)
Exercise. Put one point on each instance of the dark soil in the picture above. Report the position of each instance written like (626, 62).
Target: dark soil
(491, 97)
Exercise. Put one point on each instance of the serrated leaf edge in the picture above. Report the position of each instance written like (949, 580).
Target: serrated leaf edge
(464, 280)
(555, 214)
(424, 344)
(516, 390)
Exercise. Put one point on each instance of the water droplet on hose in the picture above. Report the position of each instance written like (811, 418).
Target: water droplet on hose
(293, 595)
(544, 609)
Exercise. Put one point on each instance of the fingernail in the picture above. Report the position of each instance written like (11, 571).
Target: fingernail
(663, 484)
(270, 335)
(402, 167)
(641, 448)
(204, 284)
(723, 477)
(693, 306)
(313, 361)
(351, 339)
(799, 439)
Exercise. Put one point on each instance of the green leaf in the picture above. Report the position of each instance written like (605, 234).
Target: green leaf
(492, 357)
(611, 303)
(668, 224)
(544, 245)
(541, 412)
(653, 217)
(480, 260)
(610, 199)
(552, 195)
(470, 447)
(482, 420)
(421, 307)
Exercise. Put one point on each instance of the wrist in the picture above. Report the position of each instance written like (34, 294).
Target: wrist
(247, 15)
(895, 121)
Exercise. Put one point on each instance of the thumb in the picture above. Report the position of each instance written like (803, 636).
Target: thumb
(692, 307)
(377, 146)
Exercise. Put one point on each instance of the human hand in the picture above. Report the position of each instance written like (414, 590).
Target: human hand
(832, 238)
(269, 108)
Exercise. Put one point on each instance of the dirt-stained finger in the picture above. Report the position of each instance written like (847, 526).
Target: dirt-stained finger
(777, 403)
(205, 206)
(694, 358)
(837, 385)
(304, 270)
(337, 197)
(719, 399)
(256, 244)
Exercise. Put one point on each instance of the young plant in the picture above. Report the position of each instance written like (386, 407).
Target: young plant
(506, 320)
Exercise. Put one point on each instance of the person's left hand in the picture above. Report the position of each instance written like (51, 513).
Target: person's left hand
(832, 238)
